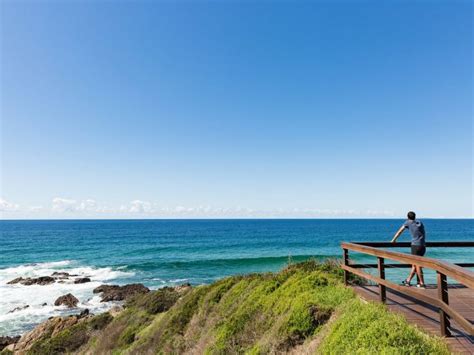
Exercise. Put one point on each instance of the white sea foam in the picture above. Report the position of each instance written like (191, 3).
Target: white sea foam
(178, 280)
(17, 295)
(158, 279)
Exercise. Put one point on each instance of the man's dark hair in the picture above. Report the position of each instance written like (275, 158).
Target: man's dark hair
(411, 215)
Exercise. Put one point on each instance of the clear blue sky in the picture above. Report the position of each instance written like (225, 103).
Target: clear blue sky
(215, 109)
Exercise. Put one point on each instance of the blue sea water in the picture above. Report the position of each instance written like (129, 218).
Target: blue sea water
(170, 252)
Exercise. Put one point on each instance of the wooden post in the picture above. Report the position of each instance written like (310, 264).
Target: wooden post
(382, 289)
(345, 253)
(443, 296)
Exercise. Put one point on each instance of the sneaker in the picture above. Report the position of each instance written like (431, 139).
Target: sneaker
(406, 283)
(421, 286)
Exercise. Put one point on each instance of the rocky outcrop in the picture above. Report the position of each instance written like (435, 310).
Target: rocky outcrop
(15, 281)
(16, 309)
(6, 341)
(42, 280)
(49, 328)
(82, 280)
(84, 313)
(61, 275)
(68, 300)
(119, 293)
(56, 276)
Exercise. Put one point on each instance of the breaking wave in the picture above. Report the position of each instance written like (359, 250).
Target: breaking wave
(35, 303)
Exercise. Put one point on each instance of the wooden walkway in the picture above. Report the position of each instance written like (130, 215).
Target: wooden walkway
(426, 316)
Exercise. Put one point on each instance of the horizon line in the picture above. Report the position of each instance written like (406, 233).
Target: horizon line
(224, 218)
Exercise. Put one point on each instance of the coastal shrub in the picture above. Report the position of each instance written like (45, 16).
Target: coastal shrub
(156, 301)
(65, 341)
(331, 266)
(100, 321)
(73, 338)
(274, 312)
(127, 336)
(219, 289)
(122, 330)
(369, 328)
(302, 323)
(166, 332)
(181, 316)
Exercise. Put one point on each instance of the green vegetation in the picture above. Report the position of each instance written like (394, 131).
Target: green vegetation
(268, 312)
(371, 329)
(155, 302)
(71, 339)
(303, 308)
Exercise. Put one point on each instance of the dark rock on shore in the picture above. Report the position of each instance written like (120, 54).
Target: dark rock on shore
(63, 275)
(42, 280)
(46, 280)
(84, 313)
(82, 280)
(5, 341)
(120, 293)
(16, 309)
(15, 281)
(68, 300)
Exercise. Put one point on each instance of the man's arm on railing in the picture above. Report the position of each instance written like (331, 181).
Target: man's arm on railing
(399, 232)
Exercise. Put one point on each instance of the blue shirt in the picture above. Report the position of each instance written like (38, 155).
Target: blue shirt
(417, 230)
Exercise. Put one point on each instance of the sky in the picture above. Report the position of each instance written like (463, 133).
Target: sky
(223, 109)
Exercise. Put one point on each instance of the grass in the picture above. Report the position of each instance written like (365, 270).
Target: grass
(71, 339)
(268, 312)
(128, 328)
(369, 328)
(253, 314)
(154, 302)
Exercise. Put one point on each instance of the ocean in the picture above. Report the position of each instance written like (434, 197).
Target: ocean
(161, 253)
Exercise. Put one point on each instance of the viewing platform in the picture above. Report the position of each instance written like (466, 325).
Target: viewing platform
(444, 308)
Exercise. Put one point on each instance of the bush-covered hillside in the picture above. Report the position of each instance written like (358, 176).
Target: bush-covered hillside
(305, 308)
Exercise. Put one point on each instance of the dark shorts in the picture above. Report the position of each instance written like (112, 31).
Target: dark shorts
(418, 250)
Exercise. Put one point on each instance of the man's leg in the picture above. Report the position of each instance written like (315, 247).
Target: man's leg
(412, 273)
(420, 251)
(419, 275)
(413, 267)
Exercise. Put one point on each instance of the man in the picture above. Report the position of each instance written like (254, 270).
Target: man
(417, 230)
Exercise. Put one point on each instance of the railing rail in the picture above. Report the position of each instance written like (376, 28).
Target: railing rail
(443, 269)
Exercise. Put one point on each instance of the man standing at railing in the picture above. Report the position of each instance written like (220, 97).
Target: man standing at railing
(417, 231)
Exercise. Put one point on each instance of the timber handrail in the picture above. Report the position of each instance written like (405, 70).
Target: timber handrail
(443, 269)
(457, 273)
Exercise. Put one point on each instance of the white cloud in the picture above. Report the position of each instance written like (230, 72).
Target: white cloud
(6, 206)
(88, 205)
(140, 207)
(90, 208)
(380, 213)
(64, 205)
(123, 208)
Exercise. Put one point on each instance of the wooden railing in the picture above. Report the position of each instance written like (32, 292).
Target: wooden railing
(443, 269)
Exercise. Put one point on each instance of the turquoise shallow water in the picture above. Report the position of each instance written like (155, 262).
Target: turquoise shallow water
(169, 252)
